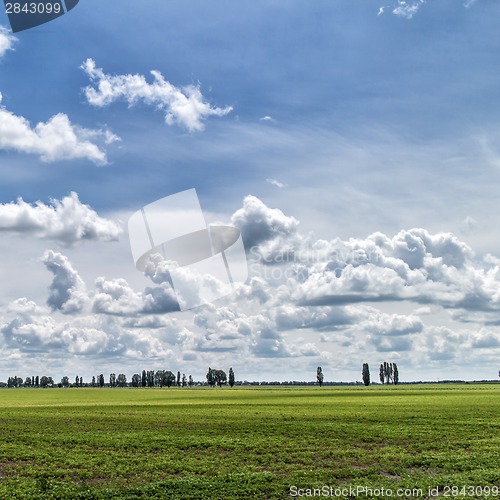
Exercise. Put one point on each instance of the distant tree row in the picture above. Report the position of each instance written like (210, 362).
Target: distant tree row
(148, 378)
(158, 378)
(388, 374)
(30, 382)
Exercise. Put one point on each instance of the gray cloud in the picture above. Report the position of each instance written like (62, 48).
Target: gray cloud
(67, 291)
(485, 339)
(94, 338)
(260, 224)
(116, 297)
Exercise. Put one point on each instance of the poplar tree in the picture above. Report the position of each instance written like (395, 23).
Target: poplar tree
(366, 374)
(319, 375)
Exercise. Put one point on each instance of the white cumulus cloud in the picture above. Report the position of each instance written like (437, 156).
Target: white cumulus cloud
(54, 140)
(184, 106)
(67, 221)
(7, 40)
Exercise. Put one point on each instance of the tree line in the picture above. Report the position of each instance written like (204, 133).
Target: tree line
(147, 378)
(388, 374)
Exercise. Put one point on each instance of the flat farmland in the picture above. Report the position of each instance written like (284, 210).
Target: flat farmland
(250, 442)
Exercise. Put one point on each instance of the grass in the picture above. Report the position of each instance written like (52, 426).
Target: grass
(247, 442)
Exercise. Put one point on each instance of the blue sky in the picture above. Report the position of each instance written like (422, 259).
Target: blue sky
(323, 124)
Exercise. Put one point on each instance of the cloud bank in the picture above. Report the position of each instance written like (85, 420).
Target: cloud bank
(323, 302)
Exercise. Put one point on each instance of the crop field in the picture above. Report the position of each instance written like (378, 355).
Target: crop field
(255, 442)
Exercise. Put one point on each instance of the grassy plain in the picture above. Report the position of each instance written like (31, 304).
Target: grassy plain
(246, 443)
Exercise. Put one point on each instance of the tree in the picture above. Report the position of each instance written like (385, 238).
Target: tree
(144, 379)
(37, 381)
(159, 378)
(366, 374)
(216, 377)
(389, 373)
(221, 377)
(178, 379)
(77, 381)
(168, 378)
(150, 376)
(231, 377)
(319, 375)
(27, 382)
(65, 381)
(184, 380)
(46, 382)
(93, 381)
(191, 381)
(101, 380)
(210, 377)
(14, 382)
(136, 380)
(112, 380)
(121, 380)
(395, 374)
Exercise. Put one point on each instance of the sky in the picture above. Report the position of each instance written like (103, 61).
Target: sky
(353, 143)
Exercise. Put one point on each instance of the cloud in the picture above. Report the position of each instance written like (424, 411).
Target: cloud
(184, 106)
(67, 221)
(276, 183)
(291, 317)
(414, 265)
(6, 41)
(267, 342)
(345, 296)
(390, 332)
(67, 292)
(116, 297)
(485, 339)
(407, 9)
(259, 224)
(54, 140)
(94, 336)
(307, 281)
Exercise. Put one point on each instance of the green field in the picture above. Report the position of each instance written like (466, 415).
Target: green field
(248, 442)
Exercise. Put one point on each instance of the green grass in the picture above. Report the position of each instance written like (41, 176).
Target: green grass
(247, 442)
